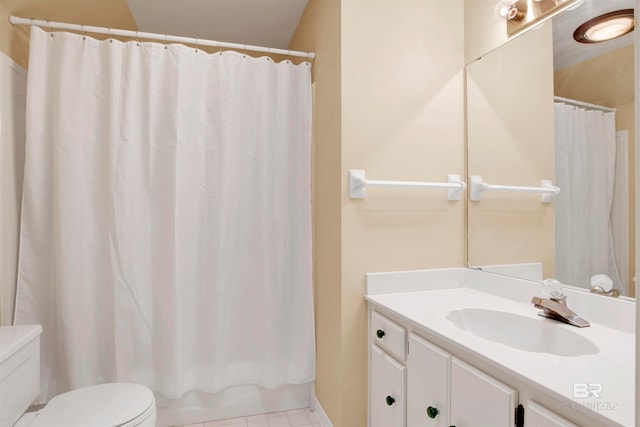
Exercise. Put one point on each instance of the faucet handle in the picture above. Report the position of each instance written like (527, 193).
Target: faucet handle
(552, 288)
(603, 285)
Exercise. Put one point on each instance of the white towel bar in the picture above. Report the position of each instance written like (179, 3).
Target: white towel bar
(358, 184)
(477, 187)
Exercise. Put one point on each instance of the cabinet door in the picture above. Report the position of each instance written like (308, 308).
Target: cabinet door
(427, 384)
(478, 399)
(538, 416)
(387, 402)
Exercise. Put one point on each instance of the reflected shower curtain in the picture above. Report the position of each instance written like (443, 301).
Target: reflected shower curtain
(166, 234)
(585, 156)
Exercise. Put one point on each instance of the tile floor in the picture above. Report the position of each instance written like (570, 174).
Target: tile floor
(295, 418)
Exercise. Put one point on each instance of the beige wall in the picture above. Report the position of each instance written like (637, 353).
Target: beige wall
(100, 13)
(14, 40)
(400, 117)
(511, 142)
(608, 80)
(484, 30)
(319, 31)
(604, 80)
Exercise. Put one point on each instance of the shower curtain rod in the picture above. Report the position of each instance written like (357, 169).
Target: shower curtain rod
(584, 104)
(154, 36)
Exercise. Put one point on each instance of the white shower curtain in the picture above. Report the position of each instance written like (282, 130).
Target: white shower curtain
(166, 234)
(585, 156)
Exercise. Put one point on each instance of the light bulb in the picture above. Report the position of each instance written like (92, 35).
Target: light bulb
(508, 10)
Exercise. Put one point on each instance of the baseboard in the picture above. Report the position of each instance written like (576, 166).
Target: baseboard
(319, 411)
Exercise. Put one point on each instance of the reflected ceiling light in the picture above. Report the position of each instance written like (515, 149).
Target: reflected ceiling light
(605, 27)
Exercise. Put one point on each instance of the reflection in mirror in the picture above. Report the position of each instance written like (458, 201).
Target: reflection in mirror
(586, 230)
(529, 12)
(594, 152)
(510, 142)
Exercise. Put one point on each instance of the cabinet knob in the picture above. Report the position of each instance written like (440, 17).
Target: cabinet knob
(379, 333)
(432, 412)
(390, 400)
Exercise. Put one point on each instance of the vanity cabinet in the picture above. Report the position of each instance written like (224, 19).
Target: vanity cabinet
(539, 416)
(387, 390)
(387, 387)
(478, 399)
(427, 384)
(450, 354)
(415, 383)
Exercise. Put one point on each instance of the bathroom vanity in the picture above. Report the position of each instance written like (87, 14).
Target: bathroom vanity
(461, 347)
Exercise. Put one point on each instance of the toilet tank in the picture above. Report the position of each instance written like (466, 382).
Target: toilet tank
(19, 370)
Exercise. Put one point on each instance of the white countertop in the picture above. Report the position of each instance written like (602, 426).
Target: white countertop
(613, 366)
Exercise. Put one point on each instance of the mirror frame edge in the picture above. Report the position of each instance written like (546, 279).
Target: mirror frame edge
(636, 39)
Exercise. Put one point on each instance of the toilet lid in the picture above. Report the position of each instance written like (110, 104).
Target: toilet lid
(107, 405)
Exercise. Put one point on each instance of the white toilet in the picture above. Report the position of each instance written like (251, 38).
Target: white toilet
(104, 405)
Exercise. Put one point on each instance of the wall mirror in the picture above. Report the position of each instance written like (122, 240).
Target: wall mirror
(524, 127)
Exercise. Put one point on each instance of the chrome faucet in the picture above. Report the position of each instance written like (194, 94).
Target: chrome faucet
(610, 293)
(555, 307)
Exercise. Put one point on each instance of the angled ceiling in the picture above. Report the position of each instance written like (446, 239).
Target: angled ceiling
(269, 23)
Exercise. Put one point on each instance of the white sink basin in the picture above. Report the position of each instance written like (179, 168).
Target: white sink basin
(523, 333)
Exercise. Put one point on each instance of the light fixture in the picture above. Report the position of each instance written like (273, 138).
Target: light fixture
(508, 10)
(605, 27)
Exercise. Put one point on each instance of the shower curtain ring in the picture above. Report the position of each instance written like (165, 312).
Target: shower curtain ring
(166, 41)
(244, 51)
(50, 28)
(220, 48)
(197, 41)
(137, 39)
(110, 36)
(84, 33)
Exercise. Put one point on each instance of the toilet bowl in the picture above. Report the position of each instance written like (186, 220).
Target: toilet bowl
(102, 405)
